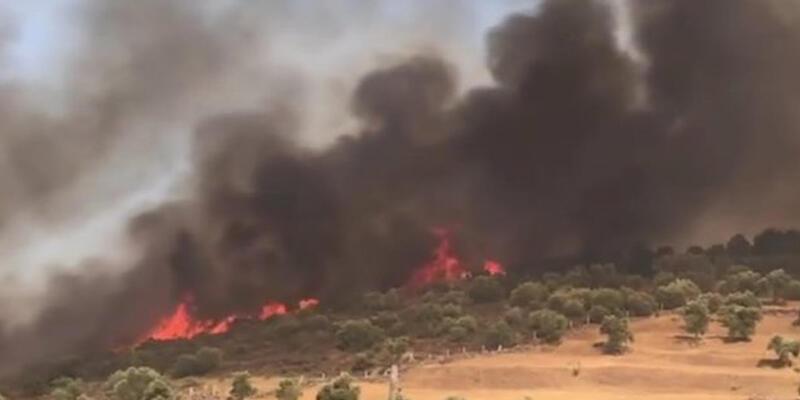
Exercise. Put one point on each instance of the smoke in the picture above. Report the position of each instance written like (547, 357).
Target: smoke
(602, 127)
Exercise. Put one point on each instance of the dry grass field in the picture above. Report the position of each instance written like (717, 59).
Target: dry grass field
(661, 366)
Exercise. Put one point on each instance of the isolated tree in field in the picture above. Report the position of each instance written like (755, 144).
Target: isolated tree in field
(289, 389)
(740, 321)
(340, 389)
(241, 388)
(695, 318)
(137, 383)
(66, 389)
(619, 335)
(548, 326)
(784, 349)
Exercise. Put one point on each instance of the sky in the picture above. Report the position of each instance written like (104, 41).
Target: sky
(38, 37)
(43, 31)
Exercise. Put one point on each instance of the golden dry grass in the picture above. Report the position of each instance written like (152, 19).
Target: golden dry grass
(661, 366)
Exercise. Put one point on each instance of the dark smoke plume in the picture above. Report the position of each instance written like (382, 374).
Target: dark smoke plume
(578, 147)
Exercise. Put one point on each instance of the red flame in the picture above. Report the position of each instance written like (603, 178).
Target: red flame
(445, 265)
(494, 268)
(306, 304)
(272, 309)
(182, 325)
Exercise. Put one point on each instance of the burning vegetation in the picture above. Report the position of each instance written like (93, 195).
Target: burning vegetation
(581, 150)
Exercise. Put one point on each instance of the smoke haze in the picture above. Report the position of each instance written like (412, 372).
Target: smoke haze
(600, 124)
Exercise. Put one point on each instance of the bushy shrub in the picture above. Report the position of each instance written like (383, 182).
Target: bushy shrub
(66, 389)
(619, 335)
(289, 389)
(573, 309)
(597, 314)
(389, 321)
(342, 388)
(452, 310)
(740, 279)
(459, 329)
(559, 300)
(713, 301)
(640, 304)
(383, 301)
(529, 295)
(204, 361)
(241, 388)
(484, 289)
(744, 299)
(677, 293)
(548, 326)
(516, 318)
(499, 334)
(740, 321)
(358, 335)
(792, 290)
(774, 284)
(696, 317)
(610, 299)
(137, 383)
(784, 349)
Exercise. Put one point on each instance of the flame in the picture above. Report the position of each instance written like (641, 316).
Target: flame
(494, 268)
(182, 325)
(306, 304)
(272, 309)
(446, 266)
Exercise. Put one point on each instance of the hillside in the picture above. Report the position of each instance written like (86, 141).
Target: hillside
(661, 366)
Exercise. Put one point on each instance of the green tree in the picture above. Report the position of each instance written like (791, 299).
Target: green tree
(529, 295)
(611, 299)
(342, 388)
(289, 389)
(137, 383)
(66, 389)
(548, 326)
(202, 362)
(499, 334)
(738, 246)
(741, 321)
(695, 318)
(484, 289)
(676, 293)
(241, 388)
(598, 313)
(358, 335)
(784, 349)
(774, 284)
(639, 304)
(619, 335)
(744, 299)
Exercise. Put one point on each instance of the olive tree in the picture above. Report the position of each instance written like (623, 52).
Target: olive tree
(784, 349)
(677, 293)
(358, 335)
(529, 295)
(741, 321)
(138, 383)
(619, 335)
(66, 389)
(289, 389)
(241, 388)
(695, 318)
(548, 326)
(342, 388)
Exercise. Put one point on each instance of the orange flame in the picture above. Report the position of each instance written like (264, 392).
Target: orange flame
(494, 268)
(445, 265)
(182, 325)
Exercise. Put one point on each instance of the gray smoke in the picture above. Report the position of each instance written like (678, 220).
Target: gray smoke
(580, 145)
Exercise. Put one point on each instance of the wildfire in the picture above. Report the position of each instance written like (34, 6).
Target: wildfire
(494, 268)
(182, 325)
(446, 266)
